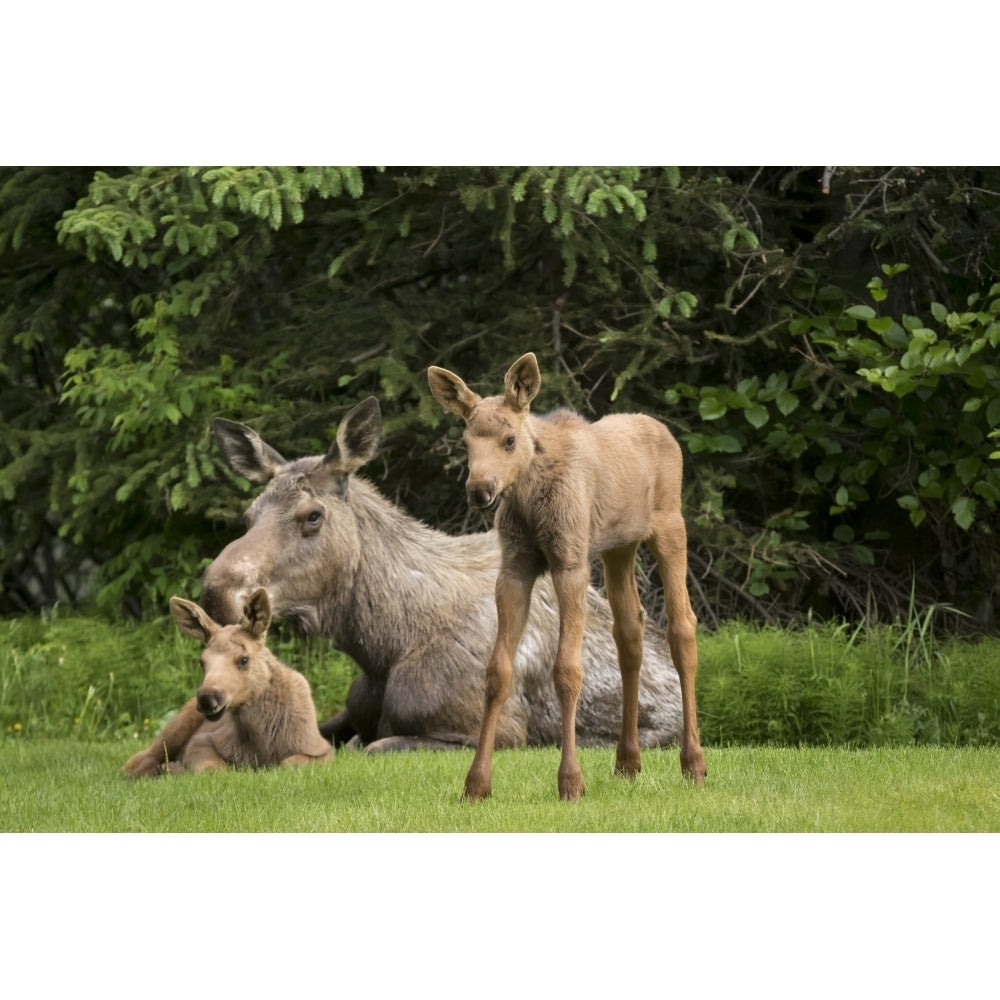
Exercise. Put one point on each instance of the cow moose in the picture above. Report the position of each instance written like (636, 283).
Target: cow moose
(412, 606)
(251, 710)
(565, 489)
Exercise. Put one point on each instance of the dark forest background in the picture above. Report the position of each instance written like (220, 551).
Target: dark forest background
(822, 340)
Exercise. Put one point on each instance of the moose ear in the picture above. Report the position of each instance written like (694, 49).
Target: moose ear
(192, 620)
(358, 438)
(245, 451)
(522, 382)
(451, 392)
(257, 613)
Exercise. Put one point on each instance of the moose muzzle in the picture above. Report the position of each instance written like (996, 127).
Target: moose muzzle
(484, 496)
(211, 703)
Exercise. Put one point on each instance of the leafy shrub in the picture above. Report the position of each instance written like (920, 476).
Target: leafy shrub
(76, 675)
(827, 354)
(836, 685)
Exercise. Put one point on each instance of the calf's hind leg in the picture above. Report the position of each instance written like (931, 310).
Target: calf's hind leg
(629, 625)
(669, 545)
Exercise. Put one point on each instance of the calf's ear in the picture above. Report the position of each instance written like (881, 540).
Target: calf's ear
(257, 614)
(522, 382)
(451, 392)
(192, 620)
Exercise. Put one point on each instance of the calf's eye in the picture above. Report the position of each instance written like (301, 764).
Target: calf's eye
(509, 442)
(243, 662)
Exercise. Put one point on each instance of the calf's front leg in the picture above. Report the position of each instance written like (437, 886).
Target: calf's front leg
(202, 755)
(513, 595)
(571, 592)
(169, 744)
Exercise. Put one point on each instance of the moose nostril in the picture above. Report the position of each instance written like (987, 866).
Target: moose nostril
(221, 604)
(481, 497)
(209, 702)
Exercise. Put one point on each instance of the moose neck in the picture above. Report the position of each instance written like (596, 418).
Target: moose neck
(255, 721)
(408, 576)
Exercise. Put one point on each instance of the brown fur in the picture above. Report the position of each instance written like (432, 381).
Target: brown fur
(251, 710)
(563, 490)
(412, 606)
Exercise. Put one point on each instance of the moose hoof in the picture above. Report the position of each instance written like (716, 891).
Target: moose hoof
(142, 765)
(693, 766)
(627, 763)
(628, 771)
(570, 785)
(476, 788)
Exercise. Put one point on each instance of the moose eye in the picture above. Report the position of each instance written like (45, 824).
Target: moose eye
(509, 442)
(312, 521)
(243, 662)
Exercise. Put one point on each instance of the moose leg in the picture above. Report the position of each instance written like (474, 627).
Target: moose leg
(571, 592)
(337, 729)
(629, 623)
(300, 759)
(201, 754)
(168, 745)
(513, 600)
(670, 547)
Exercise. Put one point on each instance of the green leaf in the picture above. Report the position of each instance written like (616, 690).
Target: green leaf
(968, 468)
(711, 408)
(993, 412)
(877, 289)
(881, 324)
(964, 512)
(863, 554)
(787, 403)
(686, 304)
(861, 312)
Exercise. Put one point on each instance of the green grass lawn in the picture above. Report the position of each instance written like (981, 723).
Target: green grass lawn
(71, 786)
(587, 916)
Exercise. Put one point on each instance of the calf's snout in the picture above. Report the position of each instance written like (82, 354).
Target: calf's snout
(482, 495)
(211, 702)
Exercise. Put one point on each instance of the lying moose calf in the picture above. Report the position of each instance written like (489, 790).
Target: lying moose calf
(251, 710)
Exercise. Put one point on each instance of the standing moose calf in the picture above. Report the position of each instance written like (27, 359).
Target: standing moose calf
(563, 490)
(251, 710)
